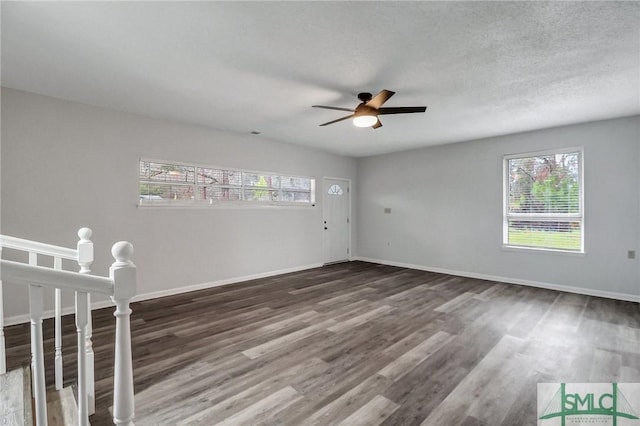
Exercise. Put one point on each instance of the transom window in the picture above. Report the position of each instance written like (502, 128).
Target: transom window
(164, 183)
(543, 201)
(335, 189)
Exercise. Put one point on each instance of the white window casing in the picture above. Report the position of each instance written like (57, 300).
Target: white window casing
(543, 196)
(166, 183)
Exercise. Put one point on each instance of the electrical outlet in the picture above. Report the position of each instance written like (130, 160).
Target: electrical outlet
(387, 210)
(631, 254)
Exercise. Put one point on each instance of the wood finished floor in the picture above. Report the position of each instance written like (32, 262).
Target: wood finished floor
(355, 344)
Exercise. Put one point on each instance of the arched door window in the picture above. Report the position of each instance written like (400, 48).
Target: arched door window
(335, 189)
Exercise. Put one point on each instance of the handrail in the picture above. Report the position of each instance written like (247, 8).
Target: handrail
(38, 247)
(83, 255)
(21, 273)
(120, 285)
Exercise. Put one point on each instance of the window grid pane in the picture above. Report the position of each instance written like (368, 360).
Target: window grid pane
(158, 192)
(296, 196)
(218, 193)
(257, 180)
(260, 195)
(296, 183)
(545, 184)
(219, 177)
(160, 172)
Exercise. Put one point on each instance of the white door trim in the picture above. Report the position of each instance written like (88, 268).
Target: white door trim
(324, 212)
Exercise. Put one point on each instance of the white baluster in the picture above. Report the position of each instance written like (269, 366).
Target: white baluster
(57, 264)
(33, 260)
(3, 352)
(81, 327)
(88, 348)
(37, 354)
(123, 274)
(85, 259)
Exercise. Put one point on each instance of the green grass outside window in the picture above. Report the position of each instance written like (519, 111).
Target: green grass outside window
(545, 239)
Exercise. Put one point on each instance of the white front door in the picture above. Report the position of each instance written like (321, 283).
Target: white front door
(336, 220)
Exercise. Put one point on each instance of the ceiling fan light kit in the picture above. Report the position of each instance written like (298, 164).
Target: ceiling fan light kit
(366, 114)
(364, 120)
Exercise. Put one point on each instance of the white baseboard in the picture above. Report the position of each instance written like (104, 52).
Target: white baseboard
(202, 286)
(550, 286)
(20, 319)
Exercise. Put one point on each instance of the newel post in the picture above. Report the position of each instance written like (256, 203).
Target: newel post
(85, 259)
(123, 274)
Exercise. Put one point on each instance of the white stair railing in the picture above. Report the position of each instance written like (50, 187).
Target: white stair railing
(120, 285)
(83, 255)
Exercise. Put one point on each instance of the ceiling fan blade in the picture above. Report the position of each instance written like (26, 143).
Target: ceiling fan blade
(380, 98)
(377, 125)
(330, 107)
(339, 119)
(402, 110)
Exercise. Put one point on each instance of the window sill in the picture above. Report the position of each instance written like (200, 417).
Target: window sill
(223, 206)
(521, 249)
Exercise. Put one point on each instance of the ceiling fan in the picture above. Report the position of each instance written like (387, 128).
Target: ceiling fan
(366, 114)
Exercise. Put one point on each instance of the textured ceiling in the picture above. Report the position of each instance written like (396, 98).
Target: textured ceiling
(482, 68)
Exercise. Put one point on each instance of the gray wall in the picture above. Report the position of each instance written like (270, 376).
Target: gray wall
(67, 165)
(446, 206)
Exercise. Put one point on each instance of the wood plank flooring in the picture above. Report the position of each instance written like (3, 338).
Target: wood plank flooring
(355, 344)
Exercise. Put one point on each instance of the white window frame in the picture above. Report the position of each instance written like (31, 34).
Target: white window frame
(541, 217)
(201, 203)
